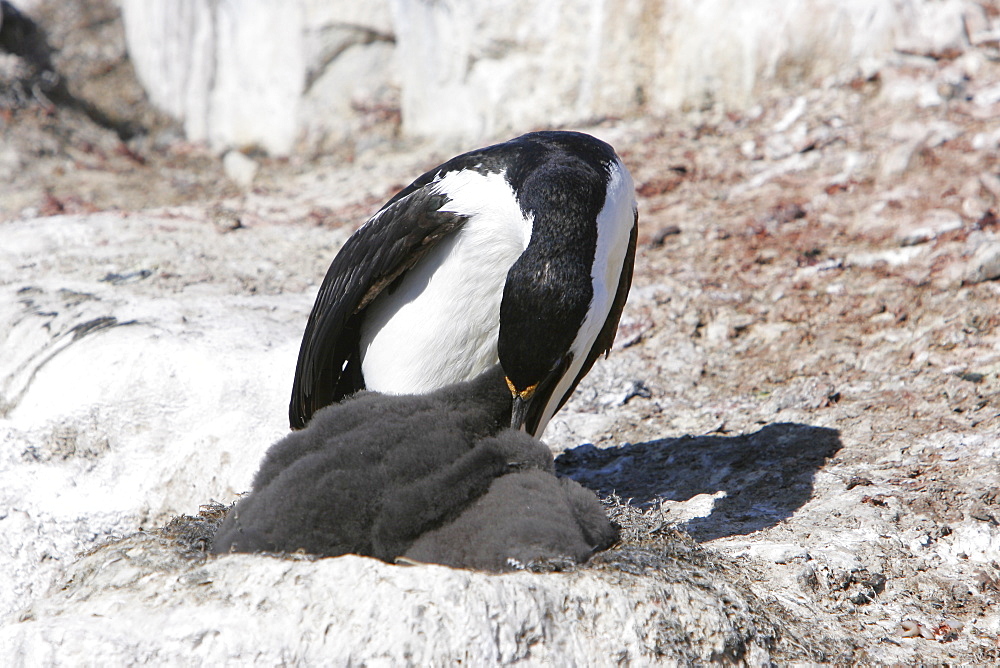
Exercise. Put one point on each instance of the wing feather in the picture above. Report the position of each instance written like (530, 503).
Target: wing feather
(372, 259)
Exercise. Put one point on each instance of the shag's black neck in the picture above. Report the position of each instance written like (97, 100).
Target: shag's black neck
(549, 289)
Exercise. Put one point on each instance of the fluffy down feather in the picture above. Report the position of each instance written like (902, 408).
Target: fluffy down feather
(420, 477)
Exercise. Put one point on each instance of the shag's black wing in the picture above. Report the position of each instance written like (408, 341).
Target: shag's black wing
(388, 245)
(602, 344)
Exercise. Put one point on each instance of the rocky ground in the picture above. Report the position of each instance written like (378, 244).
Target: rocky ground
(825, 260)
(807, 377)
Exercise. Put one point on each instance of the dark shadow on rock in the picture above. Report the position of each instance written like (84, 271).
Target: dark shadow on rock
(766, 476)
(23, 37)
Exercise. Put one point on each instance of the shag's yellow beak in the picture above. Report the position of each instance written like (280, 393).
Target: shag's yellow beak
(522, 400)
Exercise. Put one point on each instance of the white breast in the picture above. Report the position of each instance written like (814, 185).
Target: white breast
(440, 325)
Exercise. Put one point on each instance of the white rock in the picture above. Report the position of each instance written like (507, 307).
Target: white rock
(134, 600)
(570, 428)
(935, 223)
(139, 377)
(236, 73)
(231, 72)
(991, 182)
(985, 141)
(792, 115)
(904, 89)
(777, 553)
(985, 264)
(936, 28)
(523, 64)
(252, 73)
(897, 160)
(699, 505)
(978, 543)
(931, 134)
(241, 168)
(352, 92)
(988, 96)
(894, 257)
(11, 161)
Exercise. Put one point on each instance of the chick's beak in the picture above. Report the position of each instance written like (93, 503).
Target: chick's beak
(521, 403)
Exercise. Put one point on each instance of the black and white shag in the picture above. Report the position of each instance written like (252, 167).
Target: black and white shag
(522, 251)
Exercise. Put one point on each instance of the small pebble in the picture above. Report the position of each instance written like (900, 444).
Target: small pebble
(985, 264)
(858, 481)
(240, 168)
(912, 629)
(661, 236)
